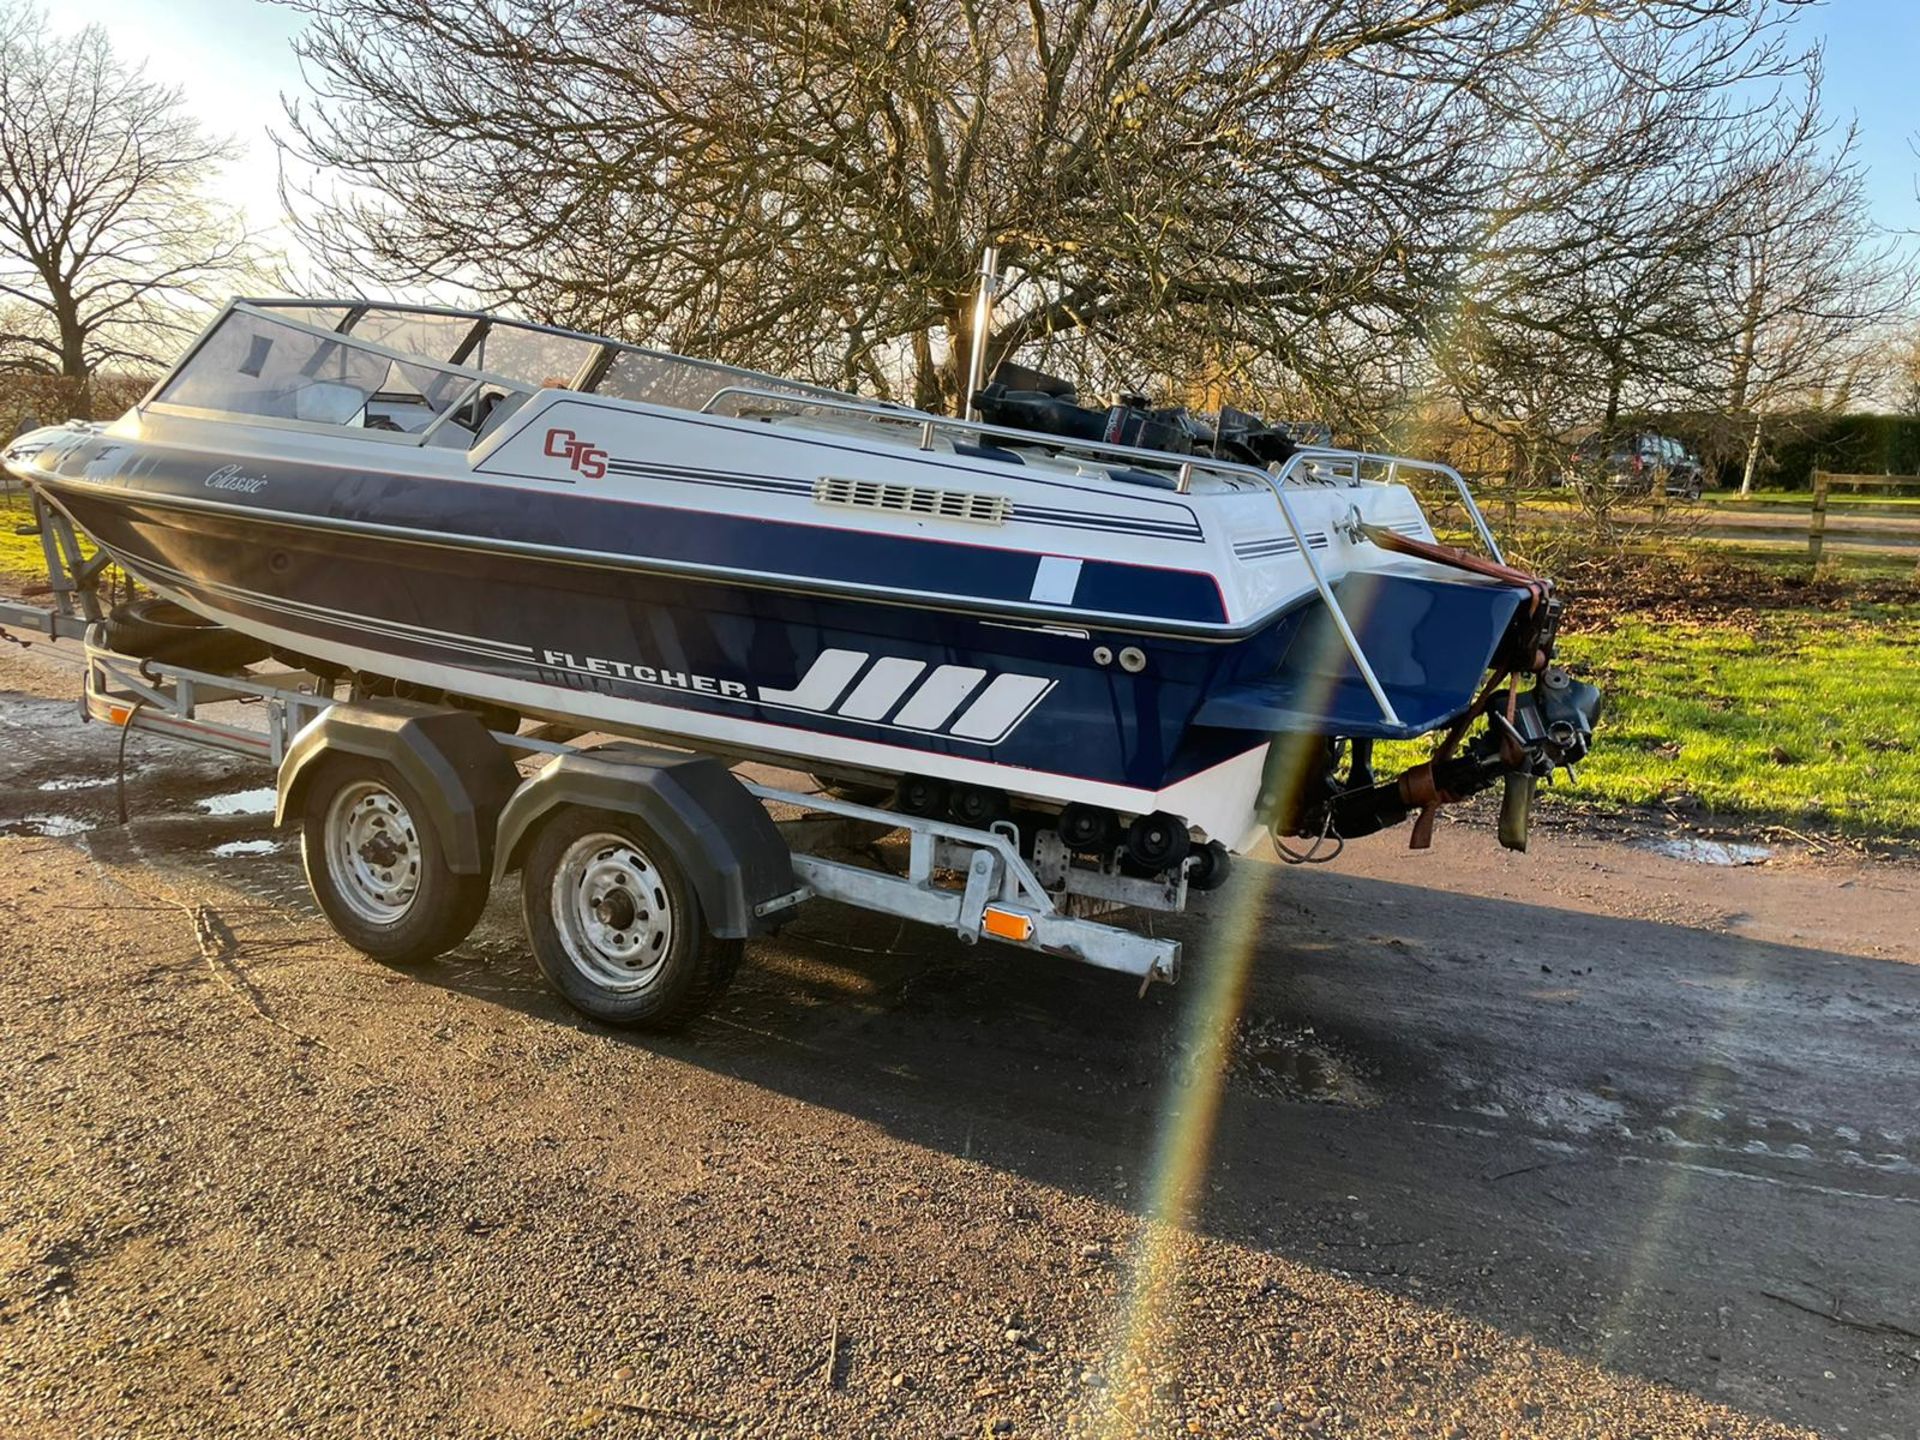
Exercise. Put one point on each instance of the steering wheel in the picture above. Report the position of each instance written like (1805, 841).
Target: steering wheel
(477, 411)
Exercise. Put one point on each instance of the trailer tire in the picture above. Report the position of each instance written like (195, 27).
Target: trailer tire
(376, 865)
(616, 925)
(161, 630)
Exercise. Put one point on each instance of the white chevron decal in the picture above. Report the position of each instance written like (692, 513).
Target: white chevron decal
(987, 714)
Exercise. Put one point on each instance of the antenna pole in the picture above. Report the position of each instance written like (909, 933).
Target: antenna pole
(982, 319)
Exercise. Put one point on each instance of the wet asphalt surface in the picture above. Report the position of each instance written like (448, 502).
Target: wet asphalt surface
(1656, 1120)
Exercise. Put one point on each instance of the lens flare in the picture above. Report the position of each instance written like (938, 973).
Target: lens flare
(1183, 1140)
(1146, 1334)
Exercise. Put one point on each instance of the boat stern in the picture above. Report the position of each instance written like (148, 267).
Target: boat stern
(1404, 638)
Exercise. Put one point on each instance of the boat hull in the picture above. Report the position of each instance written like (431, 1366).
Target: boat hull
(820, 681)
(844, 650)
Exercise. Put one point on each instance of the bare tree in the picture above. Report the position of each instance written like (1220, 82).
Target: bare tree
(1588, 295)
(1267, 194)
(1807, 284)
(1905, 367)
(105, 231)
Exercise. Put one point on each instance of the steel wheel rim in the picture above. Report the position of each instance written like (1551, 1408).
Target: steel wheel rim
(373, 852)
(613, 912)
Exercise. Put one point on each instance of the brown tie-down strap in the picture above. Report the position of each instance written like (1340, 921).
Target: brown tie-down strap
(1446, 555)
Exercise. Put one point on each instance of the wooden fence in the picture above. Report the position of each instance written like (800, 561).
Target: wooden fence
(1824, 483)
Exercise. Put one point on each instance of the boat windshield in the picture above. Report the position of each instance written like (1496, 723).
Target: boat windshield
(683, 384)
(251, 364)
(537, 355)
(393, 368)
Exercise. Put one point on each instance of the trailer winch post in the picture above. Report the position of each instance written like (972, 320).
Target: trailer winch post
(70, 577)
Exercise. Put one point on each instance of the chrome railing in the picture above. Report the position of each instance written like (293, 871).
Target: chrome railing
(1305, 469)
(1185, 467)
(1392, 465)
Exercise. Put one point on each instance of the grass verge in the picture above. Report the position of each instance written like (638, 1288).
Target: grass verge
(1750, 689)
(1784, 716)
(19, 554)
(22, 565)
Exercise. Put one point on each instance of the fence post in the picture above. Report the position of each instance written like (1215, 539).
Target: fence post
(1817, 522)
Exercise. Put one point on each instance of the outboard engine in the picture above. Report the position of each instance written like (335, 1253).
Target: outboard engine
(1552, 728)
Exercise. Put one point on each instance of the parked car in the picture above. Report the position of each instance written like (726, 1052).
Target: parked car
(1630, 461)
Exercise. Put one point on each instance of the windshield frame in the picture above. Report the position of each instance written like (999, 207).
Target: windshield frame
(589, 374)
(476, 380)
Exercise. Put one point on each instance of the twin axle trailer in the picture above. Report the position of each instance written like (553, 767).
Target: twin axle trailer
(643, 869)
(1075, 656)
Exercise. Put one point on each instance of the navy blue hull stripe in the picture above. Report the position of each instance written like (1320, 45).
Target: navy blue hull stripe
(551, 624)
(305, 615)
(294, 615)
(635, 535)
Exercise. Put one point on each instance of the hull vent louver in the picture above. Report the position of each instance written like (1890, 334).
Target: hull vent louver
(971, 507)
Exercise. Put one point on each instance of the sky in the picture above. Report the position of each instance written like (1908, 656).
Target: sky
(1873, 54)
(231, 59)
(233, 62)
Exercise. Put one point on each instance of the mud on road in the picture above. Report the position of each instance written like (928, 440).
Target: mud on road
(1586, 1142)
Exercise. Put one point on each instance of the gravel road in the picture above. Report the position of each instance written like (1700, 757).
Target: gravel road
(1589, 1142)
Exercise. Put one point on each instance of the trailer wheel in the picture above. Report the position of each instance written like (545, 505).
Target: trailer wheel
(615, 925)
(376, 866)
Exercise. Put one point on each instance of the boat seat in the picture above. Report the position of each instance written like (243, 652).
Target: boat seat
(494, 406)
(503, 405)
(328, 402)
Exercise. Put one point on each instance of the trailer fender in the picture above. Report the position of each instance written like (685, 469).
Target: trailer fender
(733, 853)
(461, 773)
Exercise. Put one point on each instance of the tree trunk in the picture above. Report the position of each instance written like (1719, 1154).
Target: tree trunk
(73, 349)
(926, 376)
(1516, 462)
(1753, 457)
(959, 357)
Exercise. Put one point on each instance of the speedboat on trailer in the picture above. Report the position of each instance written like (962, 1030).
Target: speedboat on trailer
(1152, 633)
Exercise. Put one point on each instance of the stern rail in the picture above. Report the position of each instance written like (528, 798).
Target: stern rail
(1312, 467)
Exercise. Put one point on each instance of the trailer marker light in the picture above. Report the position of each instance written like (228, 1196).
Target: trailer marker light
(1007, 924)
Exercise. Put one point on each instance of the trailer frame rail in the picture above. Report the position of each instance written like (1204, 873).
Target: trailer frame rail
(998, 894)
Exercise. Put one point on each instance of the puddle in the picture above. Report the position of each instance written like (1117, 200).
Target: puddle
(1577, 1112)
(245, 847)
(240, 802)
(80, 783)
(55, 826)
(1290, 1060)
(1706, 852)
